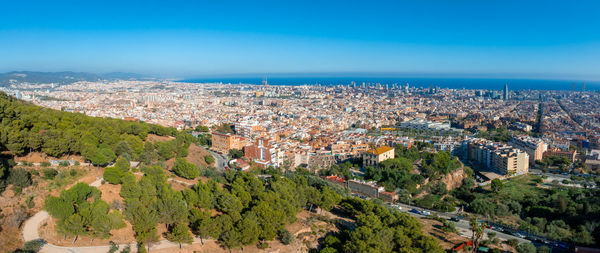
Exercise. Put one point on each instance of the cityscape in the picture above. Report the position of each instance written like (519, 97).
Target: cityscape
(300, 127)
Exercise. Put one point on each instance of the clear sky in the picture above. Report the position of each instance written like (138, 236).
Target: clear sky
(484, 38)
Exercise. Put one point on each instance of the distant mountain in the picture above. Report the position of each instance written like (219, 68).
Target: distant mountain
(66, 77)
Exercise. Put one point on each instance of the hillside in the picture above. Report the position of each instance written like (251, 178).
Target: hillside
(66, 77)
(27, 128)
(231, 210)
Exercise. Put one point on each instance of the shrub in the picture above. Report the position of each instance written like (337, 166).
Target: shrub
(45, 164)
(19, 177)
(113, 247)
(286, 237)
(49, 173)
(29, 202)
(263, 245)
(64, 164)
(209, 159)
(33, 245)
(526, 248)
(513, 242)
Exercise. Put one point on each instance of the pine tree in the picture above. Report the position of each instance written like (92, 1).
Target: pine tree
(180, 234)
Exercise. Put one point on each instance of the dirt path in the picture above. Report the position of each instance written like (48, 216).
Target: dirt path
(30, 232)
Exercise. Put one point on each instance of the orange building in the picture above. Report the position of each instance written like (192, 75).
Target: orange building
(223, 142)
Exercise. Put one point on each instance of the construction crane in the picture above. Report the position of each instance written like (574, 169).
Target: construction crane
(387, 129)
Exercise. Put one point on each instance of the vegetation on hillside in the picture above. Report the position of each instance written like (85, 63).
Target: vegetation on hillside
(26, 128)
(563, 213)
(80, 211)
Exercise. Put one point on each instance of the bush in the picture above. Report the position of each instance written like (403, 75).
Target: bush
(263, 245)
(64, 164)
(526, 248)
(29, 202)
(73, 172)
(286, 237)
(49, 173)
(45, 164)
(113, 247)
(19, 177)
(513, 242)
(33, 245)
(209, 159)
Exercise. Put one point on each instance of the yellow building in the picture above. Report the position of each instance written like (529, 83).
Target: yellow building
(374, 156)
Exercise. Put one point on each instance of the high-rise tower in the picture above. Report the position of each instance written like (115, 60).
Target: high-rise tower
(505, 95)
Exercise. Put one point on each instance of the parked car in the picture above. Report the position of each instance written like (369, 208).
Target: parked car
(415, 211)
(426, 212)
(519, 235)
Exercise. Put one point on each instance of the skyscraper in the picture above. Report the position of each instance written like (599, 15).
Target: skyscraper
(505, 95)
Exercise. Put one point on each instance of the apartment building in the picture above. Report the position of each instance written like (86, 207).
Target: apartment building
(260, 152)
(223, 142)
(556, 152)
(502, 158)
(247, 129)
(534, 147)
(374, 156)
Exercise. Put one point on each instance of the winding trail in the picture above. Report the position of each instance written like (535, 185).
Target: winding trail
(31, 226)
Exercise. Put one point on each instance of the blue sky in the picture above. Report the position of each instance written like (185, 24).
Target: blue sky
(529, 39)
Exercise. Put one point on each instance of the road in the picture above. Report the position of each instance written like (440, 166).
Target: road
(220, 160)
(462, 225)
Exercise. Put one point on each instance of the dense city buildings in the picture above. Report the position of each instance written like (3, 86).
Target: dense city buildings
(317, 126)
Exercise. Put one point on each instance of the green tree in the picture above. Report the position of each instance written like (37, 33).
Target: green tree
(236, 153)
(249, 230)
(231, 239)
(185, 169)
(329, 199)
(202, 225)
(496, 185)
(180, 234)
(130, 189)
(113, 175)
(171, 209)
(148, 155)
(58, 208)
(477, 230)
(144, 221)
(122, 164)
(73, 225)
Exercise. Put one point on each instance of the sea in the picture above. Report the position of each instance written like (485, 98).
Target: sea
(452, 83)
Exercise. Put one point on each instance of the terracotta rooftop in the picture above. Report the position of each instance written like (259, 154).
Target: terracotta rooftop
(379, 150)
